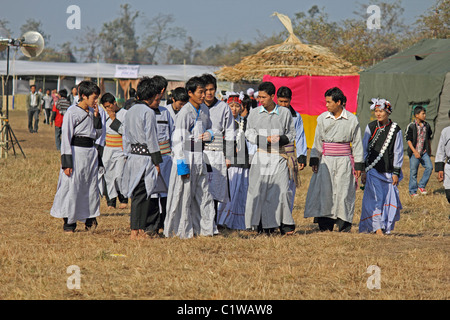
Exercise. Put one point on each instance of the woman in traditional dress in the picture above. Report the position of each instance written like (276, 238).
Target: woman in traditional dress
(232, 213)
(383, 153)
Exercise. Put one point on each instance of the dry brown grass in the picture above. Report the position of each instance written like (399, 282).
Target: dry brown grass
(35, 253)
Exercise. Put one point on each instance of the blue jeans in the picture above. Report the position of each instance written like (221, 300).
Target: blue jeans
(425, 161)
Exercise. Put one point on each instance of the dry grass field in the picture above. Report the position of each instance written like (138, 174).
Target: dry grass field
(35, 253)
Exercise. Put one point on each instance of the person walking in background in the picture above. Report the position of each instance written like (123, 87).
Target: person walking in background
(57, 119)
(442, 160)
(73, 96)
(48, 105)
(383, 154)
(33, 107)
(418, 136)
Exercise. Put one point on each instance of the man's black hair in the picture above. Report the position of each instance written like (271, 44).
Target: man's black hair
(180, 94)
(146, 89)
(87, 88)
(267, 87)
(336, 95)
(132, 93)
(209, 79)
(160, 83)
(193, 83)
(107, 97)
(419, 109)
(284, 92)
(63, 93)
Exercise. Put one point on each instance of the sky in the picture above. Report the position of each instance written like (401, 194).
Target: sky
(207, 21)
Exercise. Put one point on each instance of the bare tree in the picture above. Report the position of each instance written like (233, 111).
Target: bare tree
(161, 32)
(119, 42)
(88, 46)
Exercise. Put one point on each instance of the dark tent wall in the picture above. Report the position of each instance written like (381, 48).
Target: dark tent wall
(416, 76)
(442, 120)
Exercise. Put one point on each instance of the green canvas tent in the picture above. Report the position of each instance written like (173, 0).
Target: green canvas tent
(420, 75)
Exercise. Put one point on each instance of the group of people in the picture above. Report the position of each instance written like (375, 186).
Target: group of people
(53, 104)
(201, 163)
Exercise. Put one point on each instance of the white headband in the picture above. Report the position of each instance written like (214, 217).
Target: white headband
(383, 104)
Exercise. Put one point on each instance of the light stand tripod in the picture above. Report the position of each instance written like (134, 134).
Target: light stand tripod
(7, 133)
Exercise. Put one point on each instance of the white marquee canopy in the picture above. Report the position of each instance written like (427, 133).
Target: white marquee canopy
(101, 70)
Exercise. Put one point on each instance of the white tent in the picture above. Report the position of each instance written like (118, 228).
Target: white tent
(100, 70)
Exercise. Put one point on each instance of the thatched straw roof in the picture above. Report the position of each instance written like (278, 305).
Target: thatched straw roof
(288, 59)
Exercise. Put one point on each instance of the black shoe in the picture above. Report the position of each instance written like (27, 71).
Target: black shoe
(91, 224)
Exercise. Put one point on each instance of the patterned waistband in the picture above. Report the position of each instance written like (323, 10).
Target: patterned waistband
(333, 149)
(140, 149)
(113, 140)
(164, 147)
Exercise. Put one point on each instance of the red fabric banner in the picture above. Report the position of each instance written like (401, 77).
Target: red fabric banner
(308, 91)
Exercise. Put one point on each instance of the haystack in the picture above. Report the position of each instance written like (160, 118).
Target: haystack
(289, 59)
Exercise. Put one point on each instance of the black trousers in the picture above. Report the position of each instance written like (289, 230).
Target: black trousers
(447, 194)
(284, 228)
(144, 210)
(112, 202)
(327, 224)
(163, 203)
(90, 222)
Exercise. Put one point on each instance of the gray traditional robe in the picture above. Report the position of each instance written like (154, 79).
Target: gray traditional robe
(166, 127)
(78, 197)
(140, 128)
(113, 157)
(172, 112)
(223, 127)
(332, 190)
(442, 160)
(269, 196)
(190, 206)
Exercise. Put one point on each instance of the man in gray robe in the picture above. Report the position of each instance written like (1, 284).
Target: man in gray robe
(77, 197)
(271, 128)
(337, 159)
(190, 206)
(220, 151)
(442, 160)
(140, 145)
(165, 128)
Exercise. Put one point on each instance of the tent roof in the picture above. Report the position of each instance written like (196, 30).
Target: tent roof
(101, 70)
(289, 59)
(428, 56)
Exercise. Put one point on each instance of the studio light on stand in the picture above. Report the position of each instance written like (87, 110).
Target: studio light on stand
(31, 44)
